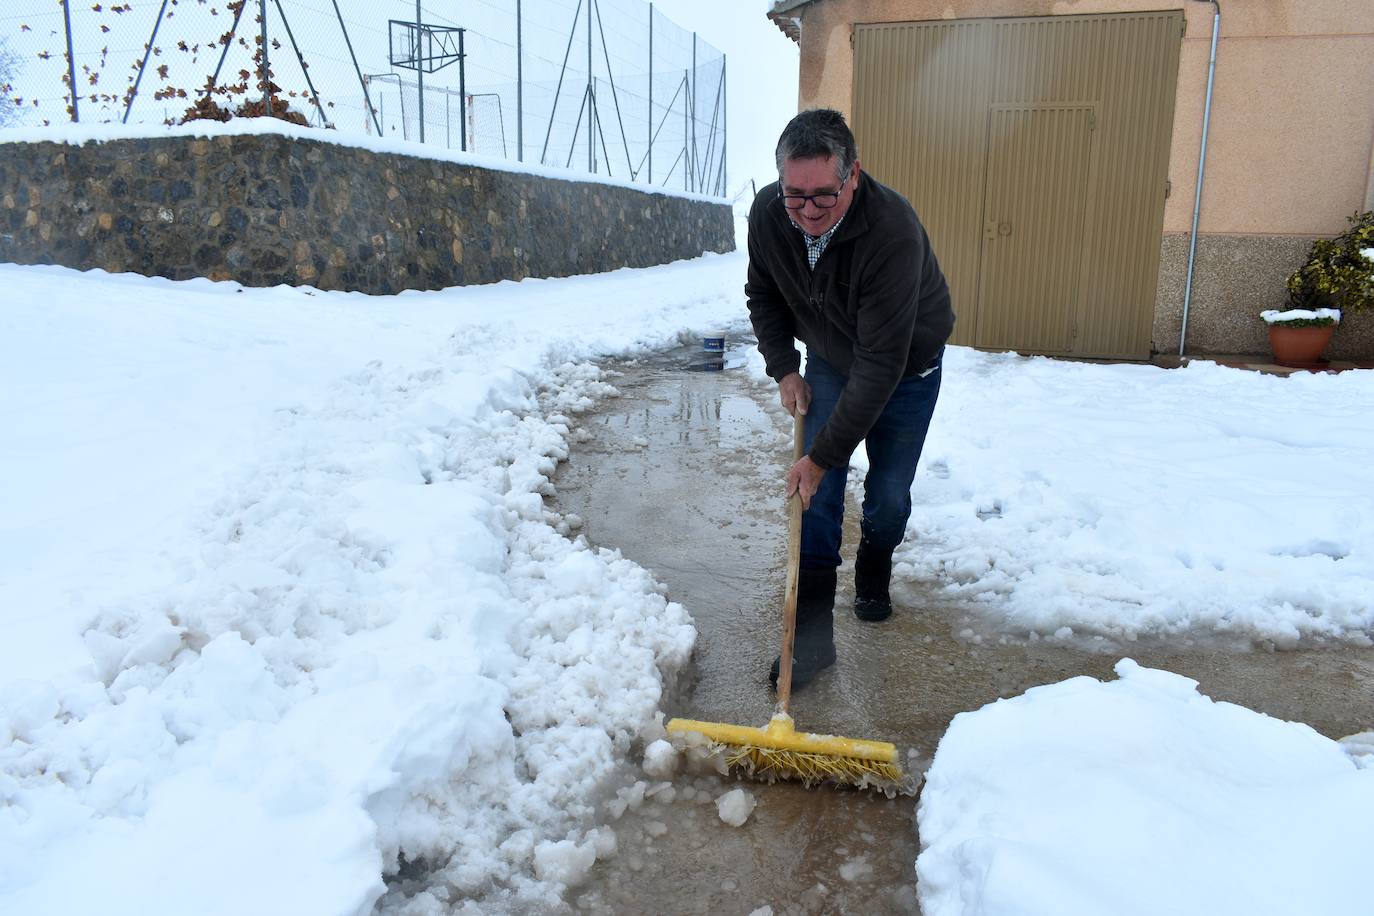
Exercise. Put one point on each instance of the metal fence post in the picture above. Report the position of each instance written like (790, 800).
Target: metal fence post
(71, 58)
(463, 89)
(367, 98)
(419, 70)
(651, 93)
(300, 58)
(519, 85)
(591, 98)
(686, 129)
(724, 132)
(266, 70)
(562, 72)
(693, 95)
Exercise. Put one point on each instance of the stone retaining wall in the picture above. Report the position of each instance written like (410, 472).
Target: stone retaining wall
(266, 209)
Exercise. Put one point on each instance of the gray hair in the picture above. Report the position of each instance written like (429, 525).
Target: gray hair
(815, 134)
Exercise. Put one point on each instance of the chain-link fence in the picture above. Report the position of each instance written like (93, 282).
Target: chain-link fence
(607, 86)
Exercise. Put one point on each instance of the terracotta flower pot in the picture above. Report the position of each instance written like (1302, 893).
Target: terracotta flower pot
(1299, 346)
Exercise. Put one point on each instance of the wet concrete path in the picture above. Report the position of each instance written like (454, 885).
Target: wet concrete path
(682, 472)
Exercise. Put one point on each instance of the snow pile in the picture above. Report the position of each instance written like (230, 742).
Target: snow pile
(283, 609)
(1130, 500)
(1140, 796)
(735, 806)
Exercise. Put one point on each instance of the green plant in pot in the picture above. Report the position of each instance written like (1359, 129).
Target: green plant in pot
(1337, 278)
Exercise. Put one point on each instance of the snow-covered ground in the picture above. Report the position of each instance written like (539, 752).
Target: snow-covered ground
(1138, 797)
(280, 603)
(1128, 500)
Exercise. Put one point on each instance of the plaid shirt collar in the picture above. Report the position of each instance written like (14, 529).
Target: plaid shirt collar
(815, 244)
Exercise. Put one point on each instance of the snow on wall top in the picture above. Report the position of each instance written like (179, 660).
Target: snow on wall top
(81, 134)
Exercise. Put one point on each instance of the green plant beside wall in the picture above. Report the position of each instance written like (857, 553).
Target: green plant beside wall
(1339, 273)
(1338, 277)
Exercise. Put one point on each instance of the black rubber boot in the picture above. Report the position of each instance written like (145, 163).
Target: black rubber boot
(814, 648)
(872, 573)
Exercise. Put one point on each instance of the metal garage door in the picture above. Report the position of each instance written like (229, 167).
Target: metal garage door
(1036, 152)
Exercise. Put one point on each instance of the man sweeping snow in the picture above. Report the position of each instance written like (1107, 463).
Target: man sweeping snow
(843, 264)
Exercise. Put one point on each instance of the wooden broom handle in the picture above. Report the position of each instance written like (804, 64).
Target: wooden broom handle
(789, 612)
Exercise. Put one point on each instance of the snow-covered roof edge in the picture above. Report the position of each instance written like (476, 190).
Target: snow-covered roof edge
(786, 15)
(81, 134)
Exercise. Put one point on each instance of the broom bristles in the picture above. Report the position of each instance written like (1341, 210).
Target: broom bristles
(770, 764)
(780, 752)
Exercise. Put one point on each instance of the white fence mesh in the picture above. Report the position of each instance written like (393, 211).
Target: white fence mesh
(610, 86)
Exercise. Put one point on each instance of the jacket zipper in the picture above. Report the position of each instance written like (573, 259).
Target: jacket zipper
(811, 296)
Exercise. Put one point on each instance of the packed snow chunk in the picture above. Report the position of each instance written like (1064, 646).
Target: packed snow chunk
(660, 760)
(606, 842)
(1360, 748)
(565, 862)
(634, 795)
(856, 869)
(1056, 802)
(662, 792)
(700, 754)
(762, 911)
(627, 798)
(735, 806)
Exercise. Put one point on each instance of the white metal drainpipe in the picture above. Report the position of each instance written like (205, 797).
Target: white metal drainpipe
(1201, 170)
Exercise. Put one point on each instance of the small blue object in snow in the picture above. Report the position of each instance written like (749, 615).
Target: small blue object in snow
(713, 342)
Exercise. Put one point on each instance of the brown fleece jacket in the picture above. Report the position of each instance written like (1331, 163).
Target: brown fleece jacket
(877, 307)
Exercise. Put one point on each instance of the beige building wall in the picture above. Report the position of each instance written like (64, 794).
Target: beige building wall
(1290, 151)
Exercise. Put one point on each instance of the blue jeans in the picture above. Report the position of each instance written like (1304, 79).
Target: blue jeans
(894, 446)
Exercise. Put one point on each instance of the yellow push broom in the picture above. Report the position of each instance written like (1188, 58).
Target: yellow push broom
(779, 751)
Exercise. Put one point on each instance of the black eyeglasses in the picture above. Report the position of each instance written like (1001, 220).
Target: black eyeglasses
(824, 201)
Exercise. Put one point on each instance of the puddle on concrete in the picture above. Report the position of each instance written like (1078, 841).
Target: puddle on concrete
(683, 474)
